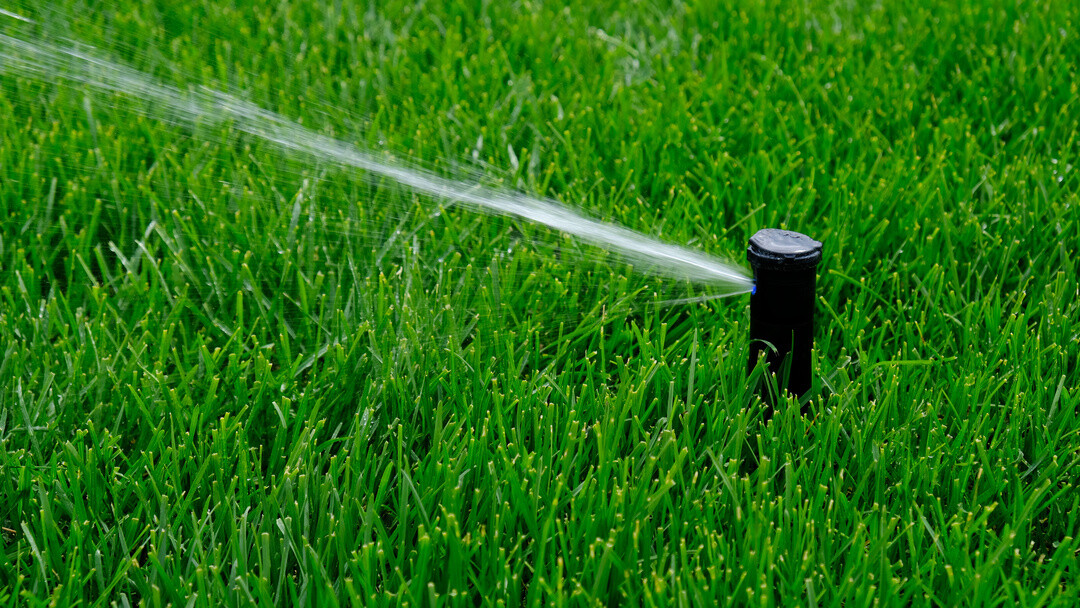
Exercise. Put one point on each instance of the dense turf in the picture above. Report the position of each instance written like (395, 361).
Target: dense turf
(232, 376)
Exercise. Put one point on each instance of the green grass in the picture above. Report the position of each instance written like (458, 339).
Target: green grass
(232, 377)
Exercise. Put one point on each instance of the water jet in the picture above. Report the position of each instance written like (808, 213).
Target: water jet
(72, 64)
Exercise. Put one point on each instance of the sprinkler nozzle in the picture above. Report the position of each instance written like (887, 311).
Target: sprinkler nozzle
(782, 304)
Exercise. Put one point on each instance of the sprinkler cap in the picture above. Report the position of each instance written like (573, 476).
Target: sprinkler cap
(783, 250)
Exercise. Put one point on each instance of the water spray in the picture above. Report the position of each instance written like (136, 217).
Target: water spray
(782, 304)
(73, 64)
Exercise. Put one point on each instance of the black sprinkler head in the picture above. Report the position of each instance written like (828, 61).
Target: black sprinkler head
(782, 304)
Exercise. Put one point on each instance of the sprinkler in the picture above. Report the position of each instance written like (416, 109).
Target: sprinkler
(782, 304)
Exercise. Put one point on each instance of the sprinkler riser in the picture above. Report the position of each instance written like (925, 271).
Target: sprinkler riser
(782, 315)
(782, 305)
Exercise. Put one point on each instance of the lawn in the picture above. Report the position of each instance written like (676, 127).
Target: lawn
(237, 376)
